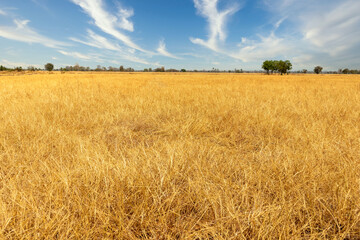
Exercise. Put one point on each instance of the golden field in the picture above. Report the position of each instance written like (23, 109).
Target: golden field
(179, 156)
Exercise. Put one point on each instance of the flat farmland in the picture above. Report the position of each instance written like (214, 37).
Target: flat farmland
(179, 156)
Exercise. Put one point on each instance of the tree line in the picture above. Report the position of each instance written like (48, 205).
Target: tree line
(270, 67)
(283, 67)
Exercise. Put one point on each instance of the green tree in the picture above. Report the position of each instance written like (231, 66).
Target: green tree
(284, 66)
(318, 69)
(183, 70)
(121, 69)
(162, 69)
(49, 67)
(346, 71)
(268, 66)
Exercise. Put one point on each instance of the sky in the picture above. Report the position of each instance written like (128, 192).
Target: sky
(190, 34)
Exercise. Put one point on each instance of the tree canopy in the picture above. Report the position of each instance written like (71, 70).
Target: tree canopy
(277, 66)
(318, 69)
(49, 67)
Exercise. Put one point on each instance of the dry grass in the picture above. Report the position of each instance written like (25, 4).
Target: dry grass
(179, 156)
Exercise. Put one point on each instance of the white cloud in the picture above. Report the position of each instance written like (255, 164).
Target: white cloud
(109, 23)
(97, 41)
(11, 64)
(333, 31)
(79, 55)
(23, 33)
(124, 23)
(100, 42)
(136, 60)
(162, 50)
(216, 22)
(268, 47)
(2, 12)
(331, 26)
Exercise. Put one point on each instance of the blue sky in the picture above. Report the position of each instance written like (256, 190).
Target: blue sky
(191, 34)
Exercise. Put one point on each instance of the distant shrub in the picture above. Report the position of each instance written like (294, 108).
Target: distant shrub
(318, 69)
(49, 67)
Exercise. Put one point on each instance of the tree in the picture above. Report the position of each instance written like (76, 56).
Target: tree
(277, 66)
(31, 68)
(162, 69)
(268, 65)
(183, 70)
(76, 67)
(346, 71)
(49, 67)
(284, 66)
(121, 69)
(318, 69)
(304, 71)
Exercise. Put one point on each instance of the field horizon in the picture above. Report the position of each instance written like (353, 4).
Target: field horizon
(179, 156)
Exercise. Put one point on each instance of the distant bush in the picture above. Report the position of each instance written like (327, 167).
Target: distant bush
(318, 69)
(49, 67)
(2, 68)
(162, 69)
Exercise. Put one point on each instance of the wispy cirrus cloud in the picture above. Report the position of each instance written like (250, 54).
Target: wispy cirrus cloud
(267, 47)
(216, 22)
(163, 51)
(12, 64)
(108, 22)
(97, 41)
(2, 12)
(100, 42)
(330, 26)
(124, 15)
(21, 32)
(79, 55)
(334, 31)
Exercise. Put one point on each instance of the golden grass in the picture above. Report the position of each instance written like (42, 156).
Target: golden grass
(179, 156)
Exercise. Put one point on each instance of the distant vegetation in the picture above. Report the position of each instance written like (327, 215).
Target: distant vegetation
(49, 67)
(318, 69)
(269, 66)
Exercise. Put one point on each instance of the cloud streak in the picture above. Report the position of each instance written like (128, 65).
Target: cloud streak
(100, 42)
(109, 23)
(97, 41)
(11, 64)
(330, 26)
(162, 50)
(78, 55)
(2, 12)
(216, 22)
(268, 47)
(23, 33)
